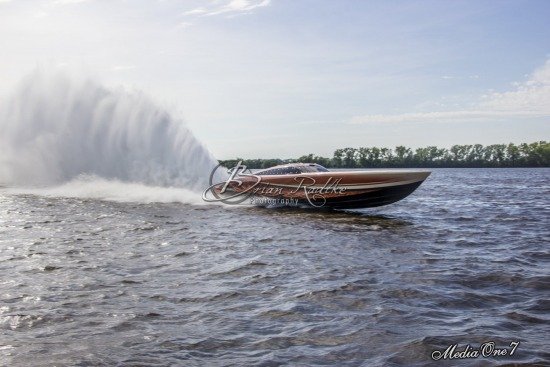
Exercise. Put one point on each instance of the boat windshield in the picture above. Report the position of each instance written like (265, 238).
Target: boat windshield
(313, 167)
(293, 170)
(280, 171)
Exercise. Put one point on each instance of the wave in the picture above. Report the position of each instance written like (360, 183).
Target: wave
(91, 187)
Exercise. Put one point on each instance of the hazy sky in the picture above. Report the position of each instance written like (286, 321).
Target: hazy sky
(283, 78)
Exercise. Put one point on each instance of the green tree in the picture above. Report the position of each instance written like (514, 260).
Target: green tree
(386, 155)
(364, 155)
(375, 157)
(476, 155)
(337, 159)
(349, 157)
(536, 154)
(512, 155)
(403, 155)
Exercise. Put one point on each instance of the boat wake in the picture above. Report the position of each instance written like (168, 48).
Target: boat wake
(93, 187)
(67, 136)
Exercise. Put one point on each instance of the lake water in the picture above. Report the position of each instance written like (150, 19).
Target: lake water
(464, 260)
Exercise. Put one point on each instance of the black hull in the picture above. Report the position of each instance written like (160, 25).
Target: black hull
(376, 197)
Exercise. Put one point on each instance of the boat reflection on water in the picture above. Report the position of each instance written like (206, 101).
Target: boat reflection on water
(338, 220)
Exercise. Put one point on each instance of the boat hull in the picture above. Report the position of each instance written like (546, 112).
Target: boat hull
(375, 197)
(334, 189)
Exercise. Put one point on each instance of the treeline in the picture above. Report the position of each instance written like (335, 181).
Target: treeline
(497, 155)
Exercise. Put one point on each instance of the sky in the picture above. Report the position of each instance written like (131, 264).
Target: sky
(285, 78)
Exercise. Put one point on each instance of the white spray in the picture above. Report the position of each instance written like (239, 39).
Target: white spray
(56, 128)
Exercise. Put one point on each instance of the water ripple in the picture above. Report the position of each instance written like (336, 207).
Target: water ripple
(462, 261)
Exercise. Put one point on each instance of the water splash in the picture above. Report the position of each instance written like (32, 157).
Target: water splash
(56, 128)
(92, 187)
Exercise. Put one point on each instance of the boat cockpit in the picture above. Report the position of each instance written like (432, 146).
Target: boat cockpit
(292, 169)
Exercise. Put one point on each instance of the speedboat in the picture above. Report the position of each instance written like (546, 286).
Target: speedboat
(310, 184)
